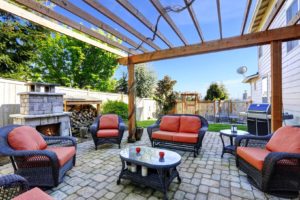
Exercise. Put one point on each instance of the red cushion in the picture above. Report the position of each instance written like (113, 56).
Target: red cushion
(108, 133)
(26, 138)
(109, 121)
(254, 156)
(185, 138)
(189, 124)
(163, 135)
(285, 139)
(64, 154)
(33, 194)
(170, 123)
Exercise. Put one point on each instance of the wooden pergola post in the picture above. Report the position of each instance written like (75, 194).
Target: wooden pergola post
(131, 102)
(276, 85)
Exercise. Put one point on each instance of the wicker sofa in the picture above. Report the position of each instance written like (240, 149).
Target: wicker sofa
(179, 131)
(108, 128)
(42, 160)
(275, 167)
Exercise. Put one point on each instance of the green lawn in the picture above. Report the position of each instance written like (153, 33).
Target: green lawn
(211, 127)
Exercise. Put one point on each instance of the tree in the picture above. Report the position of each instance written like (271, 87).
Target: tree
(19, 41)
(164, 94)
(216, 92)
(73, 63)
(145, 80)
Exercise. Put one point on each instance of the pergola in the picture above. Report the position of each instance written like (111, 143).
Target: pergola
(137, 53)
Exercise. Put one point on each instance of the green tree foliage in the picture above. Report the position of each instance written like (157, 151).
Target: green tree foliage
(19, 41)
(216, 92)
(73, 63)
(145, 80)
(116, 107)
(164, 94)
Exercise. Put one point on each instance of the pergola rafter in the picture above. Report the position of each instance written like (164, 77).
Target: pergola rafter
(159, 7)
(66, 4)
(137, 14)
(99, 7)
(219, 18)
(246, 14)
(195, 21)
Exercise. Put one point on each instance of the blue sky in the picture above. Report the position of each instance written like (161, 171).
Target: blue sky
(192, 73)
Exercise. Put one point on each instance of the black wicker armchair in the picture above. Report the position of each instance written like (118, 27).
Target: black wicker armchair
(107, 128)
(177, 139)
(41, 167)
(274, 167)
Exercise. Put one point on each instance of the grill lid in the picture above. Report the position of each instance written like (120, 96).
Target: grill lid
(259, 108)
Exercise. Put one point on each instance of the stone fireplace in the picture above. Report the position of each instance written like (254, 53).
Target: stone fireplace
(42, 108)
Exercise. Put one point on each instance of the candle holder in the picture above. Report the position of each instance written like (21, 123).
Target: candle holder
(138, 150)
(161, 156)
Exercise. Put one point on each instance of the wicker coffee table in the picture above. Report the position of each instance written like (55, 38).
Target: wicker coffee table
(160, 172)
(230, 148)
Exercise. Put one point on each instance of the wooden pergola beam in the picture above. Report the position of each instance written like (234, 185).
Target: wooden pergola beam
(131, 101)
(276, 85)
(246, 14)
(168, 19)
(273, 14)
(11, 8)
(58, 17)
(195, 21)
(66, 4)
(295, 19)
(99, 7)
(138, 15)
(219, 19)
(247, 40)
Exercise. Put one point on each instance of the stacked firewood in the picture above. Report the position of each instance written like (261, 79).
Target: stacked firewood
(82, 116)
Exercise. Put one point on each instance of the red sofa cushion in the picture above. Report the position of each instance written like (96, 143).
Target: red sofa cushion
(26, 138)
(109, 121)
(33, 194)
(185, 138)
(163, 135)
(254, 156)
(108, 133)
(170, 123)
(189, 124)
(64, 154)
(285, 139)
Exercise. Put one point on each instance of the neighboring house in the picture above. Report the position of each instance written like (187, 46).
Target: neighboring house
(260, 82)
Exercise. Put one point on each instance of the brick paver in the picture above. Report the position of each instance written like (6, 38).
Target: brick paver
(206, 177)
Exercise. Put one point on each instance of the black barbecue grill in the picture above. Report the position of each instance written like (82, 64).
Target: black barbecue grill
(259, 118)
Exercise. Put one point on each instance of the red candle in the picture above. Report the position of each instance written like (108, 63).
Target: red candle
(161, 154)
(138, 149)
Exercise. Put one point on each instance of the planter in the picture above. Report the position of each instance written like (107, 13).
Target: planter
(138, 133)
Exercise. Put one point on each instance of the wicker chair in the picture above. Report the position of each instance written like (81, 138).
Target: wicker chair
(275, 167)
(16, 187)
(169, 140)
(44, 166)
(107, 128)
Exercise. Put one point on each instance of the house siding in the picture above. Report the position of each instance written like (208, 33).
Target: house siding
(290, 72)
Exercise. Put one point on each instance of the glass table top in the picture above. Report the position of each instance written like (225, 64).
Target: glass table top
(150, 156)
(229, 132)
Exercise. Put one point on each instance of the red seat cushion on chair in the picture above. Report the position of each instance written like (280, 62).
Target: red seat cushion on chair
(163, 135)
(254, 156)
(185, 138)
(33, 194)
(109, 121)
(26, 138)
(108, 133)
(189, 124)
(64, 154)
(285, 139)
(170, 123)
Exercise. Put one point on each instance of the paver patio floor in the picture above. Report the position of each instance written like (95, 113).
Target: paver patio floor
(206, 177)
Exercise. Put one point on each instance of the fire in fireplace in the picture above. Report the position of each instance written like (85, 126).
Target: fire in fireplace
(49, 129)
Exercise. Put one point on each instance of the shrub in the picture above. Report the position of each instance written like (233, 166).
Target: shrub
(116, 107)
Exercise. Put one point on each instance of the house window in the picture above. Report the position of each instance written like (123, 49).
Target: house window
(290, 13)
(260, 51)
(264, 89)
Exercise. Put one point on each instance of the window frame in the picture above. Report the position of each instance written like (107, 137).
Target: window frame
(290, 45)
